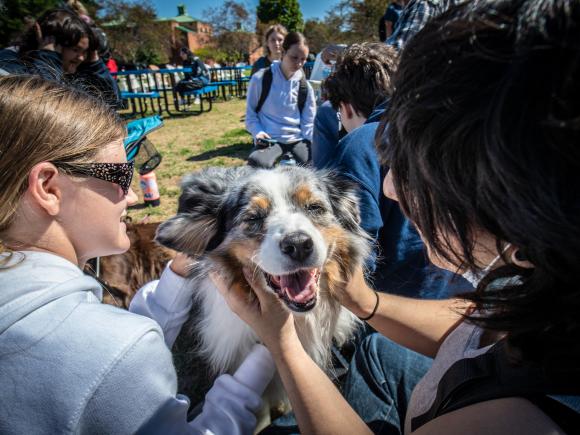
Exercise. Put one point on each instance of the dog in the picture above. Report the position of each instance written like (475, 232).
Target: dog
(296, 227)
(123, 274)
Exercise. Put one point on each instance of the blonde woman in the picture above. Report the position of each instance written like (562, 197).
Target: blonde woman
(273, 39)
(69, 364)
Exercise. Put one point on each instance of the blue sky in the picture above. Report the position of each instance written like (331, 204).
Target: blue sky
(168, 8)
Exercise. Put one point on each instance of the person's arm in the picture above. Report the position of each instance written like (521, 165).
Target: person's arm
(168, 300)
(253, 124)
(137, 394)
(95, 78)
(418, 324)
(506, 416)
(307, 115)
(388, 28)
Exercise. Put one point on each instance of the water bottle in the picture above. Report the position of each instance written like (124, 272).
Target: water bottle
(148, 183)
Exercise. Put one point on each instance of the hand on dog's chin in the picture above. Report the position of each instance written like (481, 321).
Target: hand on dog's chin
(265, 314)
(356, 295)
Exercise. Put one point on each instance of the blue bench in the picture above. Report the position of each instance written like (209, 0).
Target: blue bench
(207, 93)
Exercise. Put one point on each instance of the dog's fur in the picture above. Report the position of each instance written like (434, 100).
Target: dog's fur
(230, 218)
(124, 274)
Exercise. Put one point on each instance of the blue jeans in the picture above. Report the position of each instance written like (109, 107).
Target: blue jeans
(378, 386)
(380, 380)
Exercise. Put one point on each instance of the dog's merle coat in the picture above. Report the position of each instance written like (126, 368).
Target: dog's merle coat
(297, 227)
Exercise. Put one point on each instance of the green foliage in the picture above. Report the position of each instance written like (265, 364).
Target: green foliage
(231, 16)
(285, 12)
(133, 32)
(14, 13)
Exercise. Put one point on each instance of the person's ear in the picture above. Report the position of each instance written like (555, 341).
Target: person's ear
(519, 259)
(347, 110)
(44, 188)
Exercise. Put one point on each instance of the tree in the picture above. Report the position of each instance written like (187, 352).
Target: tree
(237, 45)
(285, 12)
(133, 32)
(231, 16)
(360, 19)
(15, 15)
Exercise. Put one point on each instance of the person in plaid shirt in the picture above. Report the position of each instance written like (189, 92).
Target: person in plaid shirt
(415, 16)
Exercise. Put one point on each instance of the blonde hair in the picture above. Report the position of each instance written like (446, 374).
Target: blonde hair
(278, 28)
(45, 121)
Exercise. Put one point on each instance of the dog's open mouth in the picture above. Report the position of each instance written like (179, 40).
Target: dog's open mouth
(298, 289)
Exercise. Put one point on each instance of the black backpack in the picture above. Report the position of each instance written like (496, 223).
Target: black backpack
(267, 84)
(493, 376)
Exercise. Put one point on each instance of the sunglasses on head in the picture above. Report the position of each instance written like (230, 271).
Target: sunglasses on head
(117, 173)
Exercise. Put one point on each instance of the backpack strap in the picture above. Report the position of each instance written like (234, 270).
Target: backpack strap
(493, 375)
(266, 85)
(302, 93)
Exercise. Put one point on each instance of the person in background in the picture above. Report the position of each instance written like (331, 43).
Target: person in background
(197, 78)
(280, 126)
(414, 17)
(273, 41)
(62, 47)
(72, 363)
(388, 22)
(486, 163)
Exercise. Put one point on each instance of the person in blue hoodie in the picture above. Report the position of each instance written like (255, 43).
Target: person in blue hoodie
(60, 46)
(359, 89)
(68, 363)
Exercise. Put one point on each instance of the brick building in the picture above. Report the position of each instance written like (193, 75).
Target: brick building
(187, 31)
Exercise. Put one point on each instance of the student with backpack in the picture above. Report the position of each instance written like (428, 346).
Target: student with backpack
(482, 143)
(281, 106)
(197, 78)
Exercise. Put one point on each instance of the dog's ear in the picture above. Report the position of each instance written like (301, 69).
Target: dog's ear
(196, 227)
(344, 199)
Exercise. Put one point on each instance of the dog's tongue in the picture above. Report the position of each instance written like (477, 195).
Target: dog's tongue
(299, 286)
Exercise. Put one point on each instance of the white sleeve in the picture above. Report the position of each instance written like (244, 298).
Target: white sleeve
(308, 114)
(167, 301)
(253, 124)
(231, 405)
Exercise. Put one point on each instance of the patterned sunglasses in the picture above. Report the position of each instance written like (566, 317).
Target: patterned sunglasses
(117, 173)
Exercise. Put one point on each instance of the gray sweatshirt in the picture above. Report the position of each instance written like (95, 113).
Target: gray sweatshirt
(69, 364)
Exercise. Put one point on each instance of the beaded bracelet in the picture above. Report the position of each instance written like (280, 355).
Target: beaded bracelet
(370, 316)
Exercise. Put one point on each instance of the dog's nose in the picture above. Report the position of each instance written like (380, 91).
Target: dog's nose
(297, 246)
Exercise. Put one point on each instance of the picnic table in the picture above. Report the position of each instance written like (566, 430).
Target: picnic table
(153, 90)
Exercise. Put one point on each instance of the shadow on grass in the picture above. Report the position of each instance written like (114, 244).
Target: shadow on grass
(240, 150)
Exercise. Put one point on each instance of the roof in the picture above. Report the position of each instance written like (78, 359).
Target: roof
(180, 19)
(185, 29)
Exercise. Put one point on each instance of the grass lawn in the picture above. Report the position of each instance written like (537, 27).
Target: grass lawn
(217, 138)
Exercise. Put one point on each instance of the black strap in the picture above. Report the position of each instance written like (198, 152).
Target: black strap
(493, 376)
(302, 93)
(267, 85)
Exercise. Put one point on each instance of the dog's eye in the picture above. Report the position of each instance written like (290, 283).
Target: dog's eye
(315, 208)
(254, 218)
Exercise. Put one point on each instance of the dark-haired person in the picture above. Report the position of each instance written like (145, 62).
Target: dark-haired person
(273, 41)
(60, 46)
(281, 118)
(359, 89)
(199, 75)
(482, 144)
(388, 22)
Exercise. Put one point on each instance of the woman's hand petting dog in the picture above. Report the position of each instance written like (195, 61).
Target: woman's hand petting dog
(265, 314)
(357, 296)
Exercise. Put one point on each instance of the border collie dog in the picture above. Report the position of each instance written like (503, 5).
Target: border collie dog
(298, 227)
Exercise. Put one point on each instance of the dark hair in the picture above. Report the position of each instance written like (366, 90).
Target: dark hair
(362, 77)
(65, 26)
(294, 38)
(278, 28)
(483, 134)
